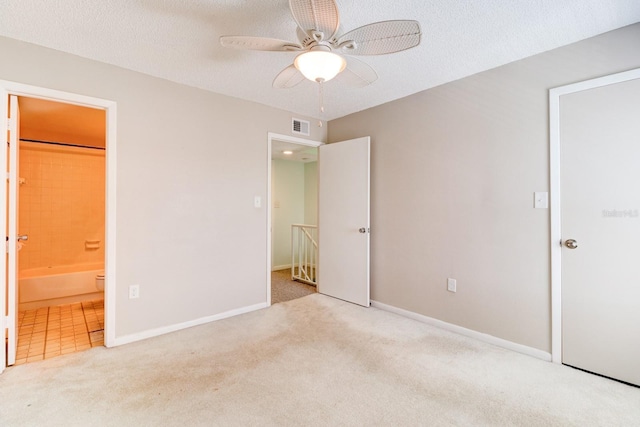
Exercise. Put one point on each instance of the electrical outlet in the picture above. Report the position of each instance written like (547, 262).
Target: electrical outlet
(451, 285)
(134, 291)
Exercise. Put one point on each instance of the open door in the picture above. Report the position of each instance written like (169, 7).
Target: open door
(4, 156)
(9, 217)
(600, 222)
(12, 231)
(343, 220)
(9, 292)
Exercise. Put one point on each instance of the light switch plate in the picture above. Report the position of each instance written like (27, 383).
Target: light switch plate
(541, 200)
(451, 285)
(257, 201)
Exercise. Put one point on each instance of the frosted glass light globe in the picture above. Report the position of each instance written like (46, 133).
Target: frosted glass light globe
(319, 65)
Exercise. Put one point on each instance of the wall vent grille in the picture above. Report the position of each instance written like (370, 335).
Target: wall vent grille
(300, 127)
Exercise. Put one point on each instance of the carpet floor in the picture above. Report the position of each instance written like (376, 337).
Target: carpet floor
(284, 289)
(311, 361)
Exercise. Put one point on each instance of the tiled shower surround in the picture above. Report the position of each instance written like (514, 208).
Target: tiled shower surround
(61, 205)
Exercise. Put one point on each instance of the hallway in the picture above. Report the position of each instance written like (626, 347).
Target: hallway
(284, 289)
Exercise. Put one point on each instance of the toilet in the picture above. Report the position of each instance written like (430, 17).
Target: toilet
(100, 281)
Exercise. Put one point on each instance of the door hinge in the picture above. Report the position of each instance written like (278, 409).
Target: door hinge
(9, 322)
(9, 122)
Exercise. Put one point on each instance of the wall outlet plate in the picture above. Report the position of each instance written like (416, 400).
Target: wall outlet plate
(451, 285)
(134, 291)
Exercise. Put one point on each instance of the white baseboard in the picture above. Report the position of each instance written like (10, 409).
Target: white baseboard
(280, 267)
(490, 339)
(172, 328)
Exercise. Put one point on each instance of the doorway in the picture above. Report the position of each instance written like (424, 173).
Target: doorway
(61, 217)
(9, 296)
(343, 218)
(595, 305)
(292, 201)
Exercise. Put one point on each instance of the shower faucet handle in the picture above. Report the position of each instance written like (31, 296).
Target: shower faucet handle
(22, 237)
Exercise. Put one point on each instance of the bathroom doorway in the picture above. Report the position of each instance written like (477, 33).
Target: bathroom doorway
(61, 217)
(63, 222)
(293, 206)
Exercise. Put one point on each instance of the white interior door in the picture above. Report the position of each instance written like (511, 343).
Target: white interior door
(600, 211)
(4, 191)
(12, 231)
(343, 220)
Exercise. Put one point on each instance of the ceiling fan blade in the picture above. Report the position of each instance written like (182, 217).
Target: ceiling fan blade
(288, 78)
(258, 43)
(357, 73)
(380, 38)
(316, 16)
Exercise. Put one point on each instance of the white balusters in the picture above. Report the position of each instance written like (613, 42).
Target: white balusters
(304, 253)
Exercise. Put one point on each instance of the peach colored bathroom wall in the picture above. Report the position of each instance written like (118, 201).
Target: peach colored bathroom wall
(61, 205)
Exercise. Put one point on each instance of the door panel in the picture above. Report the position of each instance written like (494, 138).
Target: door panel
(343, 212)
(600, 180)
(4, 198)
(12, 232)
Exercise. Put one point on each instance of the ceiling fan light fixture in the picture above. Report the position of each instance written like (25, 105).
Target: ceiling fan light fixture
(320, 65)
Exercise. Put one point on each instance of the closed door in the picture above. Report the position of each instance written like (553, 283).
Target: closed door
(343, 220)
(600, 223)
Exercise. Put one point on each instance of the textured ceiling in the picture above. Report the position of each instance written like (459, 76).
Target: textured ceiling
(299, 153)
(178, 40)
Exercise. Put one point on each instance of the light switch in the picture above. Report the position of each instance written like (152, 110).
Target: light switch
(257, 201)
(541, 200)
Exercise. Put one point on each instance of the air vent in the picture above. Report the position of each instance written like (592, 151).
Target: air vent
(300, 127)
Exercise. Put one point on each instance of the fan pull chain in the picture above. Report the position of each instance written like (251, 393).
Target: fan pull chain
(321, 99)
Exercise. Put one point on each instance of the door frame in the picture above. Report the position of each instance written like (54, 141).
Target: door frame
(293, 140)
(8, 88)
(555, 196)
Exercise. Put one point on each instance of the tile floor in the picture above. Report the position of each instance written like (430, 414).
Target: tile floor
(52, 331)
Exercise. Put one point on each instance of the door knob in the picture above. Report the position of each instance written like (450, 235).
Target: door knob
(362, 230)
(571, 244)
(23, 237)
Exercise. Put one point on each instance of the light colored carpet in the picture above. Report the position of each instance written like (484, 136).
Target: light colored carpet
(306, 362)
(285, 289)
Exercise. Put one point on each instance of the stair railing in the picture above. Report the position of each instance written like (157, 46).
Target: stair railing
(304, 253)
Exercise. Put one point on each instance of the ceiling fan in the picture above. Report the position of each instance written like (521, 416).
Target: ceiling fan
(322, 48)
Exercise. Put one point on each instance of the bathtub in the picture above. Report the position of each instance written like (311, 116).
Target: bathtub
(49, 286)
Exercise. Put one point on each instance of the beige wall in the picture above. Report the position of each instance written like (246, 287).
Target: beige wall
(61, 205)
(295, 201)
(454, 169)
(288, 207)
(311, 193)
(189, 163)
